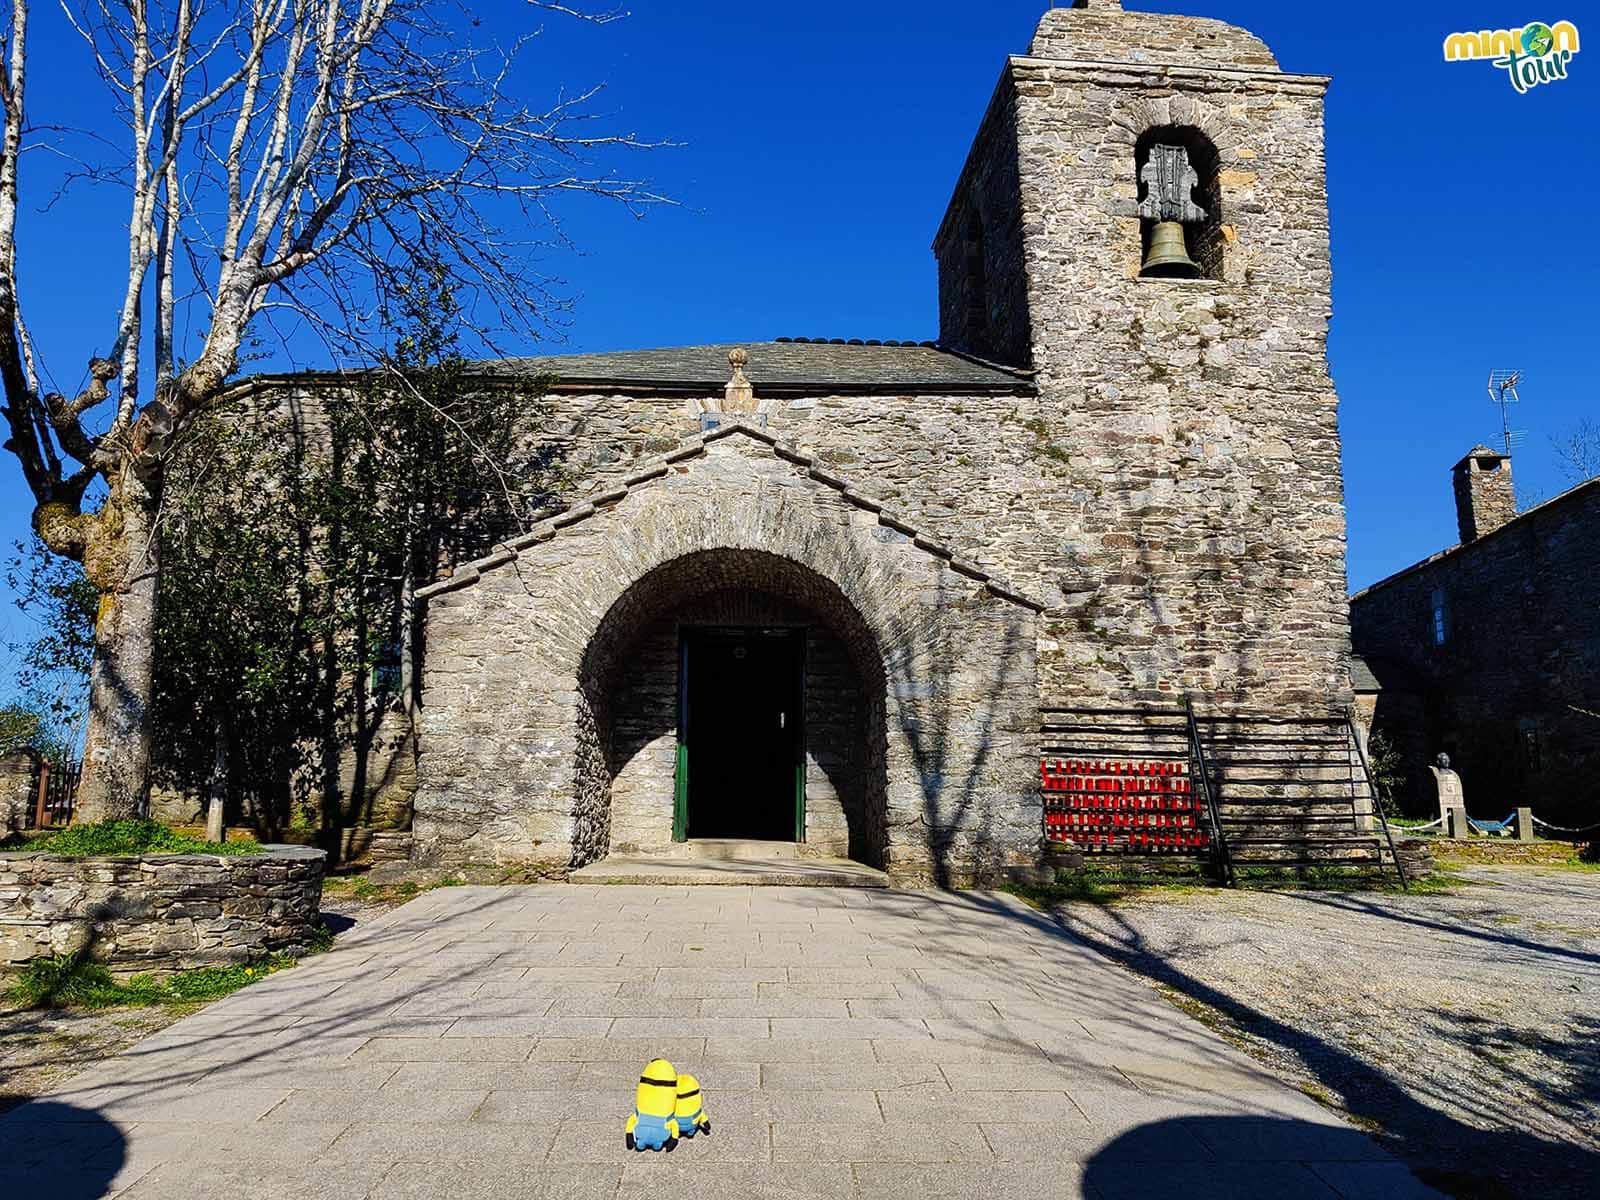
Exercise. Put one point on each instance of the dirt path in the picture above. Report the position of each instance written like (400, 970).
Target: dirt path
(1465, 1028)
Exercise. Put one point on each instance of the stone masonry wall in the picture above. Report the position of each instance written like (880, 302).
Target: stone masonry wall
(1520, 659)
(987, 199)
(159, 913)
(1100, 31)
(19, 778)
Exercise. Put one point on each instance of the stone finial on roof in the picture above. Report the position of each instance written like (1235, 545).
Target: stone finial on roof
(739, 396)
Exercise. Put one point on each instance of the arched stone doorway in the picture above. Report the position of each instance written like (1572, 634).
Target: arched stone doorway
(733, 694)
(544, 730)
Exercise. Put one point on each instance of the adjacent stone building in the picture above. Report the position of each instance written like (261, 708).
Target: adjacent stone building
(1490, 651)
(821, 590)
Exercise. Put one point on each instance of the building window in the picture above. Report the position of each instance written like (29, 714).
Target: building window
(977, 315)
(1441, 618)
(383, 681)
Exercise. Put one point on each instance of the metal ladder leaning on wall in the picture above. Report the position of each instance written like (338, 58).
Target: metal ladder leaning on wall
(1290, 791)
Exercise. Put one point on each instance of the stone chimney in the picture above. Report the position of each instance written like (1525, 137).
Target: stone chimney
(1485, 499)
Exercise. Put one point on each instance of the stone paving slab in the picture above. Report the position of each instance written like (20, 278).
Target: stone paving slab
(484, 1043)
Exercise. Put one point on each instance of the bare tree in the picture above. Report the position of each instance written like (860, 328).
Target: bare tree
(1579, 451)
(276, 154)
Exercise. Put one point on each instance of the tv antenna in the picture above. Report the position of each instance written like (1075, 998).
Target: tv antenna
(1503, 393)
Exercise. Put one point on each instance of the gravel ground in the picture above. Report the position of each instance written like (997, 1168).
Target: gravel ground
(41, 1050)
(1464, 1029)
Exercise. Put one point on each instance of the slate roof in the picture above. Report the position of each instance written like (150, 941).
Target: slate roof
(1369, 675)
(793, 366)
(470, 573)
(1546, 508)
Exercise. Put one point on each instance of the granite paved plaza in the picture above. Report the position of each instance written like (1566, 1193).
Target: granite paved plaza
(485, 1042)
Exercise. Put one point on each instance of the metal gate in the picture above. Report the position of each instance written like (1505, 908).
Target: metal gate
(57, 784)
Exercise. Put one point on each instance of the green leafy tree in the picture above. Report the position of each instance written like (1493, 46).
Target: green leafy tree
(1388, 773)
(49, 677)
(234, 697)
(19, 729)
(287, 645)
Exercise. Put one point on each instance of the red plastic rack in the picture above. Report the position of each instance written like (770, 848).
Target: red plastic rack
(1131, 806)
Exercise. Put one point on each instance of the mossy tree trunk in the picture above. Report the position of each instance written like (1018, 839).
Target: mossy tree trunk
(124, 562)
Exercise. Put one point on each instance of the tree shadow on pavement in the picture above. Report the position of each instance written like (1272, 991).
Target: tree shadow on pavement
(1464, 1161)
(55, 1151)
(1246, 1158)
(1387, 912)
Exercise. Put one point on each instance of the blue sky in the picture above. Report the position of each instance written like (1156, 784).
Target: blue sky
(821, 142)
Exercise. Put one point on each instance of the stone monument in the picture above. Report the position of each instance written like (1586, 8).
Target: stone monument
(1452, 798)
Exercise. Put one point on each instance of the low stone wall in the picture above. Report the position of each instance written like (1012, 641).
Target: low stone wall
(1416, 857)
(159, 913)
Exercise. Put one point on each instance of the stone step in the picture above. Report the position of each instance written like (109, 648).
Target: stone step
(736, 849)
(774, 872)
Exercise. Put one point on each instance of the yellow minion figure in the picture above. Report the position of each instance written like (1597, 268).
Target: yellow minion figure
(691, 1112)
(653, 1125)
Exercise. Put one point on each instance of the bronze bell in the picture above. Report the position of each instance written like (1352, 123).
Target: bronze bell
(1168, 257)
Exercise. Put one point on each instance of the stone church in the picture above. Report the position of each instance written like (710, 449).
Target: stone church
(838, 593)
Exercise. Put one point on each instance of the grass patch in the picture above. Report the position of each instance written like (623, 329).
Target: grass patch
(359, 887)
(71, 981)
(75, 981)
(1346, 879)
(1092, 887)
(133, 837)
(1505, 852)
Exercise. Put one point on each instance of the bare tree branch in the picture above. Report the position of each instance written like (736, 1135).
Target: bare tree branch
(1579, 451)
(275, 156)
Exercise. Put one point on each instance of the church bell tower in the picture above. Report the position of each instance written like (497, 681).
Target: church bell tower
(1143, 223)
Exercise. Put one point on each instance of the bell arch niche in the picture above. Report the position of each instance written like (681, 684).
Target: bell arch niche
(1203, 238)
(733, 693)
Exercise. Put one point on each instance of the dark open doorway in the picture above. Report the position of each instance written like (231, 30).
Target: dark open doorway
(741, 739)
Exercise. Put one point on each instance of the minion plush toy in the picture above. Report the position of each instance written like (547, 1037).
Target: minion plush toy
(691, 1112)
(652, 1125)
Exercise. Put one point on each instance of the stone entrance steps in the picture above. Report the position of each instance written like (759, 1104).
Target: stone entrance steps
(1291, 793)
(735, 850)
